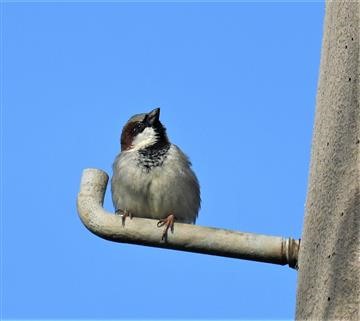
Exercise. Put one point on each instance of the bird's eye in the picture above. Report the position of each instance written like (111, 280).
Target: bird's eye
(138, 127)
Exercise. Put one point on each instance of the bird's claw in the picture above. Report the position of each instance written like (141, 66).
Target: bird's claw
(124, 214)
(168, 222)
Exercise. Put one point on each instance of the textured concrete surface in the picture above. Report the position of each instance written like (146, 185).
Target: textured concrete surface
(186, 237)
(329, 259)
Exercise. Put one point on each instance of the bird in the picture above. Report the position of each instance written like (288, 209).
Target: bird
(153, 178)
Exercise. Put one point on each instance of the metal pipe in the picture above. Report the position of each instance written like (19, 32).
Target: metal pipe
(186, 237)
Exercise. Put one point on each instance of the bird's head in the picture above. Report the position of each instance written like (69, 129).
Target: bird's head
(144, 131)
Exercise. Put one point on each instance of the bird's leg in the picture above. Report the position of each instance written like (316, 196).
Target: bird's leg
(124, 214)
(169, 224)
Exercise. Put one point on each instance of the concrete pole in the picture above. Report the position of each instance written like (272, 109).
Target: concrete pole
(329, 258)
(186, 237)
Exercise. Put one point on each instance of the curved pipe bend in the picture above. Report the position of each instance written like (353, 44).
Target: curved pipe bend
(186, 237)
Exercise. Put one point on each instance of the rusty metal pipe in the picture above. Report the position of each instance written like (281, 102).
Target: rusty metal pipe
(186, 237)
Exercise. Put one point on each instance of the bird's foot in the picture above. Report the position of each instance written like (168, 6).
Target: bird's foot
(124, 214)
(169, 224)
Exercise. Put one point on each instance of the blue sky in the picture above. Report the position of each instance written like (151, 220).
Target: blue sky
(236, 83)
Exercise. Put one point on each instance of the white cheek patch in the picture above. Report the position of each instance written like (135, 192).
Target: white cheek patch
(146, 138)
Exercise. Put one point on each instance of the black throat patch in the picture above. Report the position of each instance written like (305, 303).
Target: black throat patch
(153, 156)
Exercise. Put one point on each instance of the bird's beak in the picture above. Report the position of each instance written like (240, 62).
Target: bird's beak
(153, 116)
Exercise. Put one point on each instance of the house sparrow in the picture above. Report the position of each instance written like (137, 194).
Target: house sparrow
(152, 177)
